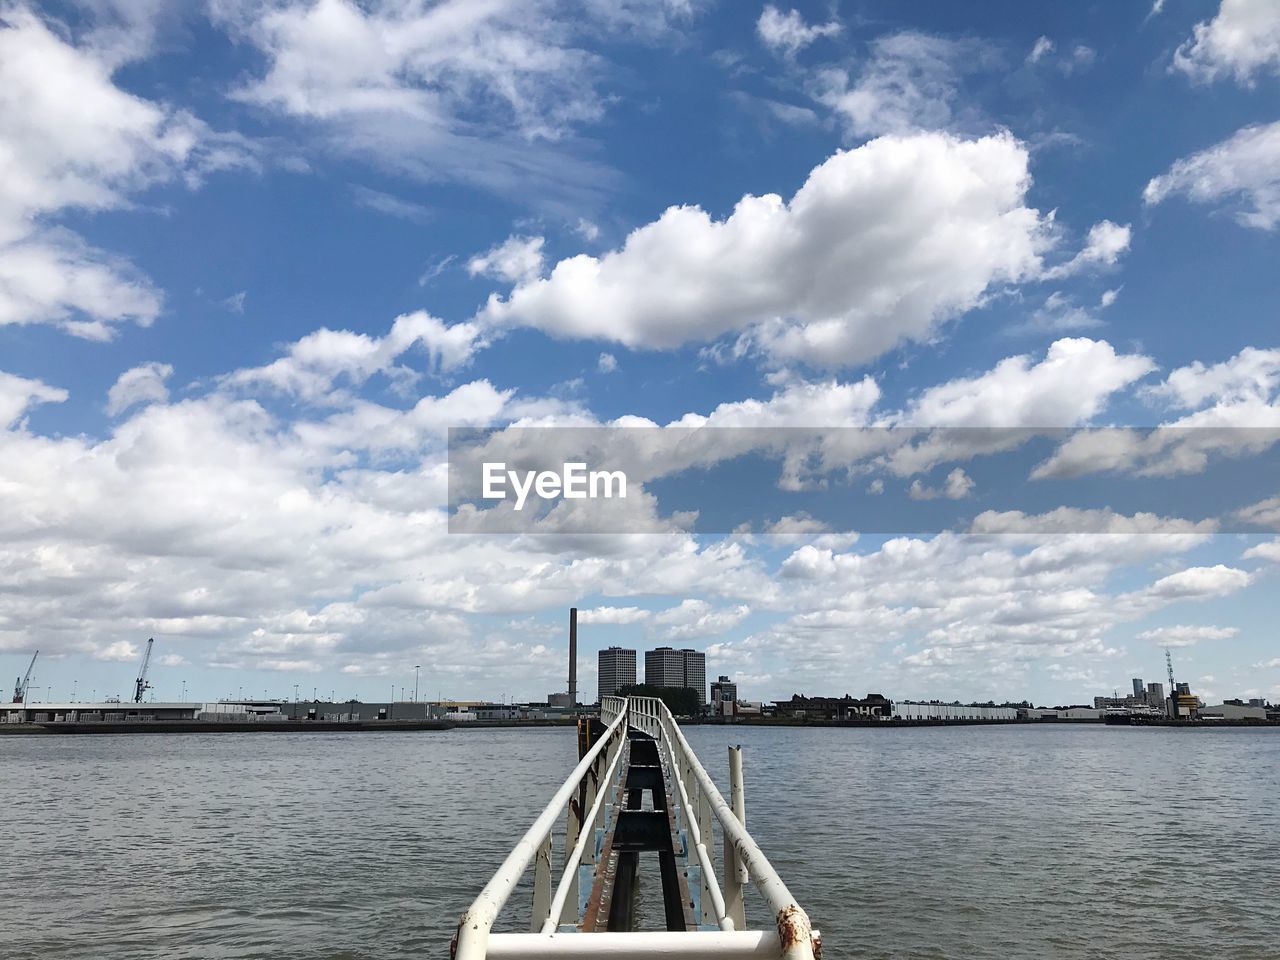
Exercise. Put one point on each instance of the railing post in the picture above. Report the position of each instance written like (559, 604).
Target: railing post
(735, 874)
(572, 829)
(703, 803)
(541, 885)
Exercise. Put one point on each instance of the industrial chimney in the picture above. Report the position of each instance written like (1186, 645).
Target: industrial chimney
(573, 657)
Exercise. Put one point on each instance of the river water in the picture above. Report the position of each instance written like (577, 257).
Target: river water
(1039, 842)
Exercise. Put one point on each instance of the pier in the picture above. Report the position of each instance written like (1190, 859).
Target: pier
(639, 789)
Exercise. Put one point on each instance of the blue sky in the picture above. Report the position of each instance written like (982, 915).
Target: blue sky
(255, 259)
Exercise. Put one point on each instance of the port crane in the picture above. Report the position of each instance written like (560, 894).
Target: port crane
(20, 688)
(140, 686)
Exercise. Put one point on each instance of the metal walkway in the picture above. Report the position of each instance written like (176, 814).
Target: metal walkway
(637, 752)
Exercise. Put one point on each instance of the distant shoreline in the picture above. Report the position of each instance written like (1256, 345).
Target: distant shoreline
(125, 728)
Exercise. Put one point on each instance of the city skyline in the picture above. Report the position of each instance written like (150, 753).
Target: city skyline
(244, 296)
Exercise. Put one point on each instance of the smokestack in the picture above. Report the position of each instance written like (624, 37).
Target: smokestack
(573, 657)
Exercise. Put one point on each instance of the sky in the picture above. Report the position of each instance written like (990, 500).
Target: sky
(257, 258)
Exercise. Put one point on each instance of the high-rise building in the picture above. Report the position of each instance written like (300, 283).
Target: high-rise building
(617, 669)
(668, 667)
(1155, 695)
(695, 672)
(1139, 689)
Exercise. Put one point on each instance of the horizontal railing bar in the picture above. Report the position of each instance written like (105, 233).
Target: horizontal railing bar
(474, 927)
(699, 845)
(788, 914)
(638, 945)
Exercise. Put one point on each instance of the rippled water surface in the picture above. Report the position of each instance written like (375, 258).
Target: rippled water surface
(1045, 842)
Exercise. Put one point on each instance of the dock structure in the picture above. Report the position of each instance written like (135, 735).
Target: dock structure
(639, 789)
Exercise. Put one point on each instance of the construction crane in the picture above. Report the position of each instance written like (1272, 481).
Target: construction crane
(140, 685)
(20, 688)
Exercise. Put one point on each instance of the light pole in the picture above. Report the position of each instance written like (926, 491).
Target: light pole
(184, 691)
(415, 683)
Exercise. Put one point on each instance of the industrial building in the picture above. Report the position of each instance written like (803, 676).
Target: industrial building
(616, 669)
(106, 712)
(913, 710)
(668, 667)
(1234, 710)
(873, 707)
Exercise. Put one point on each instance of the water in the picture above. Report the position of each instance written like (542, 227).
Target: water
(1045, 842)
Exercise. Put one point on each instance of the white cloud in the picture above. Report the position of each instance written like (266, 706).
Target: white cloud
(607, 363)
(1250, 375)
(1106, 243)
(695, 619)
(320, 360)
(908, 82)
(788, 33)
(1269, 550)
(1183, 635)
(18, 394)
(1264, 513)
(1068, 387)
(1225, 397)
(71, 139)
(1080, 58)
(1244, 167)
(1199, 583)
(141, 384)
(958, 486)
(614, 615)
(487, 93)
(882, 245)
(1243, 40)
(515, 260)
(1059, 313)
(1042, 48)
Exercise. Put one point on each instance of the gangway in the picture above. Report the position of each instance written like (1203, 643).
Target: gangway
(636, 748)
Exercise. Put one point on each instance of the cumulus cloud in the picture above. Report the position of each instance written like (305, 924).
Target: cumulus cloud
(1106, 243)
(515, 260)
(958, 485)
(695, 619)
(881, 246)
(1198, 583)
(1252, 374)
(1244, 168)
(788, 33)
(315, 364)
(73, 140)
(1242, 41)
(1269, 550)
(1068, 387)
(1234, 412)
(616, 615)
(1184, 635)
(144, 383)
(607, 363)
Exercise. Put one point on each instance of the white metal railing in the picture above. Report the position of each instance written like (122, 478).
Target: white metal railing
(593, 782)
(475, 926)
